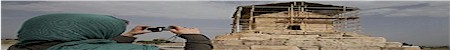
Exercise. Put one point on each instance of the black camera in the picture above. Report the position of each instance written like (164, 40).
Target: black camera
(159, 29)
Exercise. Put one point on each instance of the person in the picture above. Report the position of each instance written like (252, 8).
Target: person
(75, 31)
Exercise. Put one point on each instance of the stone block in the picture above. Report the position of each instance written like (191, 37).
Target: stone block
(273, 28)
(231, 47)
(281, 37)
(411, 47)
(254, 37)
(393, 44)
(302, 43)
(228, 42)
(270, 25)
(260, 47)
(353, 34)
(306, 32)
(392, 48)
(250, 42)
(350, 48)
(274, 32)
(227, 37)
(296, 37)
(273, 42)
(347, 43)
(331, 43)
(358, 39)
(331, 35)
(308, 48)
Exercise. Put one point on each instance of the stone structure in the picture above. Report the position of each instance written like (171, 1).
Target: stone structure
(299, 26)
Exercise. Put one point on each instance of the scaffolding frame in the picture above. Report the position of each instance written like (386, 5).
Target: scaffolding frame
(345, 20)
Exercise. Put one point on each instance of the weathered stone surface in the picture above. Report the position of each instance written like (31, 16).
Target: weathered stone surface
(302, 43)
(320, 33)
(250, 42)
(350, 48)
(227, 37)
(393, 44)
(357, 39)
(309, 48)
(231, 47)
(331, 43)
(411, 47)
(278, 32)
(294, 37)
(392, 48)
(273, 42)
(348, 43)
(260, 47)
(402, 48)
(353, 34)
(331, 35)
(254, 37)
(228, 42)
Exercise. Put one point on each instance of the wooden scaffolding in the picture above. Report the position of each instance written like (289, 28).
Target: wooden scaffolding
(345, 19)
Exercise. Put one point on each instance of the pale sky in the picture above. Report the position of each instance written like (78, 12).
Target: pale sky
(415, 22)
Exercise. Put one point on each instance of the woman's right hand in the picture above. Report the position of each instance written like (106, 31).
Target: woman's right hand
(183, 30)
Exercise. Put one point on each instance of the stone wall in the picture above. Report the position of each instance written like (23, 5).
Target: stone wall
(247, 41)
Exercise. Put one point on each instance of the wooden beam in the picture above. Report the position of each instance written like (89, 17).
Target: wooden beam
(303, 23)
(349, 18)
(310, 7)
(251, 17)
(237, 21)
(291, 14)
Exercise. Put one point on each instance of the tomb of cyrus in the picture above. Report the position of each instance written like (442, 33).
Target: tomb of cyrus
(299, 26)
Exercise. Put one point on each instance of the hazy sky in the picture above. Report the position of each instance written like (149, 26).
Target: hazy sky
(415, 22)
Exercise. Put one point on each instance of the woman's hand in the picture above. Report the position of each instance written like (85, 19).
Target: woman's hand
(183, 30)
(139, 29)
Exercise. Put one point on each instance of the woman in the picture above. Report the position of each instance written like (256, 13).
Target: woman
(92, 32)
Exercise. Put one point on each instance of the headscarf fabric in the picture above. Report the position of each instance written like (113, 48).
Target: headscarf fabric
(77, 32)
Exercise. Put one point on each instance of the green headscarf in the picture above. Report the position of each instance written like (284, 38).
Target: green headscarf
(77, 31)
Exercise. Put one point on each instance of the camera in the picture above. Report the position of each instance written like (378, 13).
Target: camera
(159, 29)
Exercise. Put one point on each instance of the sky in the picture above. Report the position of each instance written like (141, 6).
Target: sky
(423, 23)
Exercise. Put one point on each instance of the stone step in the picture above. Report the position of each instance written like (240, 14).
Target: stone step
(231, 47)
(265, 47)
(334, 42)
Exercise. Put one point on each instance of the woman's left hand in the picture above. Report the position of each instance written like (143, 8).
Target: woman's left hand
(139, 29)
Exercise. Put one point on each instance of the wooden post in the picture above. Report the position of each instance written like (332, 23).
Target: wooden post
(295, 3)
(251, 18)
(302, 9)
(234, 24)
(291, 13)
(346, 29)
(237, 20)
